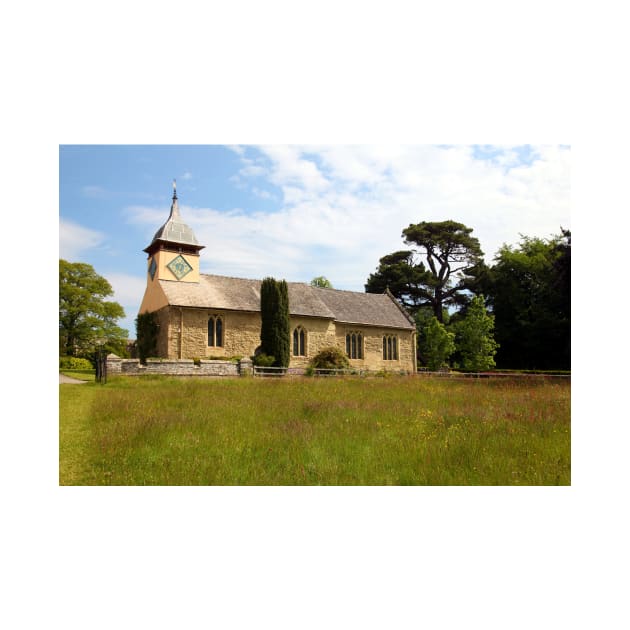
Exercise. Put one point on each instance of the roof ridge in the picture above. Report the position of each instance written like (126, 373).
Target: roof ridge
(306, 284)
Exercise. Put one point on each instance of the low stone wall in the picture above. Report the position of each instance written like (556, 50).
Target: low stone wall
(179, 367)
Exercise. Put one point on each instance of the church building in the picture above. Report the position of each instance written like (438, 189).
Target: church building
(210, 316)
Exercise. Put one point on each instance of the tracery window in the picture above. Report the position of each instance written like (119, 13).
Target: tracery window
(299, 342)
(354, 345)
(390, 348)
(215, 331)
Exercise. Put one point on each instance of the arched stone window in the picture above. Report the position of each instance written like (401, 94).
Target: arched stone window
(219, 332)
(299, 342)
(354, 345)
(215, 331)
(390, 348)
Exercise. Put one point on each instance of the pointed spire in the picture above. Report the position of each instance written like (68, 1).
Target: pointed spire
(174, 205)
(174, 230)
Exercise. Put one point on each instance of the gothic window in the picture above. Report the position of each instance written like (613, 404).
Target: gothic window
(219, 331)
(299, 342)
(211, 331)
(354, 345)
(390, 348)
(215, 331)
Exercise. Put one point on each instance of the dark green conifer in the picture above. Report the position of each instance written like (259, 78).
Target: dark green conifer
(275, 335)
(283, 325)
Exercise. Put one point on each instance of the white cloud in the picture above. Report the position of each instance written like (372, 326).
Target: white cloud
(186, 175)
(252, 170)
(74, 239)
(128, 290)
(344, 207)
(263, 194)
(290, 168)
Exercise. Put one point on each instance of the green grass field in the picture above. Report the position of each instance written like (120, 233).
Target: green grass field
(343, 431)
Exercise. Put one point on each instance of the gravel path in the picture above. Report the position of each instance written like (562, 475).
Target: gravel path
(67, 379)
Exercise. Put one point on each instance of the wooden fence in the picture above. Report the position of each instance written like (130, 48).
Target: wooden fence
(276, 372)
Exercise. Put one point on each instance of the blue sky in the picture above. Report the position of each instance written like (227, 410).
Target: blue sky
(298, 211)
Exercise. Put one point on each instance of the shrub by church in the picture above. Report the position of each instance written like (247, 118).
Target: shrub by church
(205, 315)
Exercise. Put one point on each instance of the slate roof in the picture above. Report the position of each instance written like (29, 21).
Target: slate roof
(175, 230)
(240, 294)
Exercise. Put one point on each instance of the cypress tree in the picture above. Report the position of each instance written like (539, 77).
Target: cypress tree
(274, 312)
(268, 305)
(283, 326)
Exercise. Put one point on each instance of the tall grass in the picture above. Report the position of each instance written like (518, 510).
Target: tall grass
(166, 431)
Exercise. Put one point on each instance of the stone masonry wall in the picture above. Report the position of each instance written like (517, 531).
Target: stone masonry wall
(241, 331)
(241, 334)
(174, 367)
(373, 348)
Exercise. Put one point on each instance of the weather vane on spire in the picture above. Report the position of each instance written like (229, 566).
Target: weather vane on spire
(174, 189)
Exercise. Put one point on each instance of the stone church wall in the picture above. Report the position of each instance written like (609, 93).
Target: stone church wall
(187, 333)
(320, 333)
(184, 335)
(373, 348)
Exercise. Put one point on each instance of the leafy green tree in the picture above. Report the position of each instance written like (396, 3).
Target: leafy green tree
(85, 316)
(322, 282)
(530, 295)
(275, 335)
(453, 261)
(474, 337)
(436, 344)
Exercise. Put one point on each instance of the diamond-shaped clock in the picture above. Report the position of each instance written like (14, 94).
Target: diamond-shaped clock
(152, 268)
(179, 267)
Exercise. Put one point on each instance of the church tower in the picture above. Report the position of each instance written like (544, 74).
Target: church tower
(172, 255)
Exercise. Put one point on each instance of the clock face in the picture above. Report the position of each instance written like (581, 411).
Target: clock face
(179, 267)
(152, 268)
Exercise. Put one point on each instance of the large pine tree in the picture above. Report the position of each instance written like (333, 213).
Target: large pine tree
(453, 261)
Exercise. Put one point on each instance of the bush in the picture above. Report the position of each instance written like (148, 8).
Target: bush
(331, 358)
(74, 363)
(263, 360)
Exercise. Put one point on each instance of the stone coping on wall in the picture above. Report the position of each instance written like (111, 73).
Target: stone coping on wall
(179, 367)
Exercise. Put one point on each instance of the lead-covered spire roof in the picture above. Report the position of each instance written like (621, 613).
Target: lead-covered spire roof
(175, 230)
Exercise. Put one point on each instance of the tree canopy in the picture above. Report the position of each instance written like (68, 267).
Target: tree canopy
(453, 259)
(322, 282)
(436, 344)
(474, 337)
(530, 294)
(85, 316)
(527, 289)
